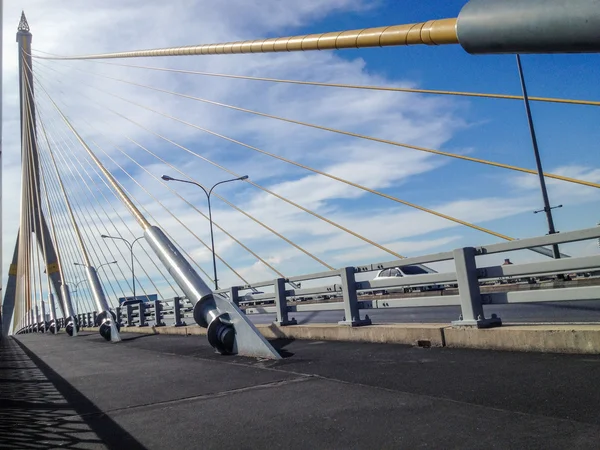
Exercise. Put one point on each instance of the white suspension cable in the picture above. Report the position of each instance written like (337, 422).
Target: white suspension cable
(256, 185)
(76, 158)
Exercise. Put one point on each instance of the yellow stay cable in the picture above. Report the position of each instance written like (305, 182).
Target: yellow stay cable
(348, 133)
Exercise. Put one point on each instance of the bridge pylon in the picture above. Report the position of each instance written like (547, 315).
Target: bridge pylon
(17, 299)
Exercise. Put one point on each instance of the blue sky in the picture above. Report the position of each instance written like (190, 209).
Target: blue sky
(484, 128)
(567, 135)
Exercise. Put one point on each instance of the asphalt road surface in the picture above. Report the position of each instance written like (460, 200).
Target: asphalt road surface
(572, 312)
(174, 392)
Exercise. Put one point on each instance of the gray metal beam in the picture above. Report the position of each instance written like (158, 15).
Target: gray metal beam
(413, 302)
(556, 266)
(559, 238)
(415, 260)
(543, 295)
(470, 295)
(417, 280)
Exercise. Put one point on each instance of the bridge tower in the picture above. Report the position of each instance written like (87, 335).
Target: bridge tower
(18, 284)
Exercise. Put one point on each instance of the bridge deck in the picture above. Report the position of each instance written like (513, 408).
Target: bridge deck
(154, 391)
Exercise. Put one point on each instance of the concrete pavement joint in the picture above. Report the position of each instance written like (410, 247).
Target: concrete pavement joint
(262, 386)
(446, 399)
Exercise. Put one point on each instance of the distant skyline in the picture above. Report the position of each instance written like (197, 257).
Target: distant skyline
(494, 198)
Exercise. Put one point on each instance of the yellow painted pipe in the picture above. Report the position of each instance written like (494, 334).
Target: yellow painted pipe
(433, 32)
(482, 27)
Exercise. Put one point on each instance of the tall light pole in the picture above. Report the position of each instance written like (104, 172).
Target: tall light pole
(538, 161)
(208, 193)
(97, 268)
(130, 245)
(75, 292)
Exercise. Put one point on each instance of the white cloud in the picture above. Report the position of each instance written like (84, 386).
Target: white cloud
(561, 191)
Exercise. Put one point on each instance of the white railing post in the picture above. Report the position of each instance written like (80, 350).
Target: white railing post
(234, 295)
(351, 309)
(142, 308)
(281, 303)
(158, 314)
(177, 312)
(129, 315)
(468, 289)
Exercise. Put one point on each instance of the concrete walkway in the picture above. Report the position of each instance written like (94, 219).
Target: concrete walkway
(166, 392)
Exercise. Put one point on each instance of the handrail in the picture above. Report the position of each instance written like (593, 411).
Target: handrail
(558, 238)
(521, 244)
(465, 297)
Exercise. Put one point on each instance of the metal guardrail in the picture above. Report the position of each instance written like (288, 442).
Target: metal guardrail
(466, 275)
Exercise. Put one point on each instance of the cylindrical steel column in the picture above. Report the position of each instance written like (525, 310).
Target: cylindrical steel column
(71, 323)
(221, 334)
(53, 326)
(529, 26)
(106, 320)
(44, 322)
(36, 318)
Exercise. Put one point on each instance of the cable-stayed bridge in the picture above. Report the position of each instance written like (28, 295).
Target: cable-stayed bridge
(279, 209)
(109, 237)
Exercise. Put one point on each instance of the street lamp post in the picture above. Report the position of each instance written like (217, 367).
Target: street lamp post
(538, 161)
(208, 193)
(106, 264)
(75, 291)
(130, 245)
(97, 269)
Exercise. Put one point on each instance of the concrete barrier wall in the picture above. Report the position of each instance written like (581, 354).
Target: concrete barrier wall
(582, 339)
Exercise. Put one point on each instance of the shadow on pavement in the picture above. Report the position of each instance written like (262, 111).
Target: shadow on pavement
(40, 409)
(126, 338)
(308, 318)
(279, 344)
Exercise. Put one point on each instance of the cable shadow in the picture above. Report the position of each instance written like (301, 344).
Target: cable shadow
(308, 318)
(40, 409)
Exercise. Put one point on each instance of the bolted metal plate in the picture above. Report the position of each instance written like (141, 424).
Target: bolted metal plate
(248, 340)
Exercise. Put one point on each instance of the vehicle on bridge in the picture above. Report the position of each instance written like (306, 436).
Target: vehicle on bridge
(406, 271)
(248, 299)
(124, 301)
